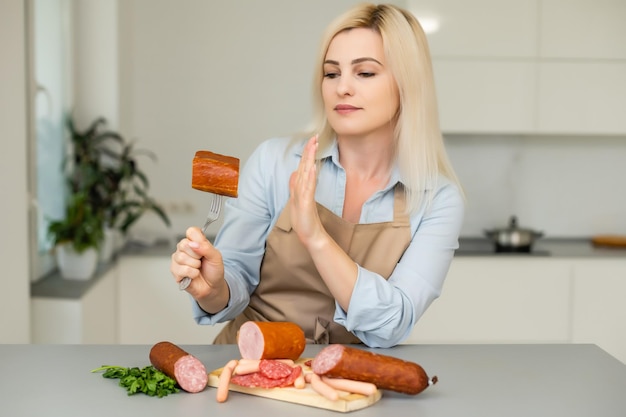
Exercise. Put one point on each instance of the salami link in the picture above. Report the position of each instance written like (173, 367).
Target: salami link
(270, 340)
(189, 373)
(386, 372)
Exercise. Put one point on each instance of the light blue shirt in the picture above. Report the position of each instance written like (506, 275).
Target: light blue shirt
(382, 312)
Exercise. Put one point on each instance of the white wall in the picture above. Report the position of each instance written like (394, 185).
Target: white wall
(14, 258)
(564, 186)
(96, 72)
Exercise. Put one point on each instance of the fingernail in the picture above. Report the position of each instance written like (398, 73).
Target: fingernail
(194, 245)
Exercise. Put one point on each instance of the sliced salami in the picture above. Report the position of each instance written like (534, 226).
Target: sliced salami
(259, 380)
(190, 374)
(274, 369)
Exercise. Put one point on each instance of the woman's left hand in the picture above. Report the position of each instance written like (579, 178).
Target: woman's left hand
(304, 217)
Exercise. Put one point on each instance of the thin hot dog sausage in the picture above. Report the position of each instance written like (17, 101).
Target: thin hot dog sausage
(355, 387)
(270, 340)
(386, 372)
(322, 388)
(247, 366)
(186, 369)
(224, 381)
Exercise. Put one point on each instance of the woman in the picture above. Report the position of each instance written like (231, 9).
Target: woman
(350, 233)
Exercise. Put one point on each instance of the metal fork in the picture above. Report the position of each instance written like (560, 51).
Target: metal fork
(214, 214)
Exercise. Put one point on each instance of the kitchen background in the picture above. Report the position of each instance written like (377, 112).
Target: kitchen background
(532, 97)
(225, 76)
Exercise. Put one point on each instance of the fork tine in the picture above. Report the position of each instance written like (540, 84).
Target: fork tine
(216, 207)
(214, 211)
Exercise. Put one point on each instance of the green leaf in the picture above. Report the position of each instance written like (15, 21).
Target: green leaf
(147, 380)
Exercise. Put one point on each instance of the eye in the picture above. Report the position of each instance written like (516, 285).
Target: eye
(366, 74)
(331, 75)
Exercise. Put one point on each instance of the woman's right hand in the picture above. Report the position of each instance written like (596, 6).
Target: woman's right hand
(195, 257)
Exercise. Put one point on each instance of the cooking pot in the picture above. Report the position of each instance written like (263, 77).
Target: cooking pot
(513, 238)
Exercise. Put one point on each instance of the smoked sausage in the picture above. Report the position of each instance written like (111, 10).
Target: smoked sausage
(270, 340)
(189, 373)
(386, 372)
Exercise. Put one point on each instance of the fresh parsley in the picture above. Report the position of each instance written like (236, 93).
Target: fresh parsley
(147, 380)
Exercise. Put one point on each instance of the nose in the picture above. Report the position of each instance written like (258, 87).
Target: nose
(345, 86)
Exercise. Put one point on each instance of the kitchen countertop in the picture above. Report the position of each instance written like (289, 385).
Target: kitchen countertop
(468, 246)
(550, 247)
(474, 380)
(54, 286)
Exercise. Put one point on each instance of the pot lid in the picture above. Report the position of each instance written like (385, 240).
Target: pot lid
(513, 226)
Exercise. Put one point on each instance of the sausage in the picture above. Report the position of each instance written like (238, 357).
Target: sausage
(349, 385)
(224, 381)
(215, 173)
(270, 340)
(386, 372)
(322, 388)
(247, 366)
(189, 373)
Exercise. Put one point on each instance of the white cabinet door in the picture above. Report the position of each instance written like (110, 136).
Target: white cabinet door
(583, 29)
(582, 97)
(500, 300)
(486, 96)
(152, 309)
(483, 57)
(599, 307)
(479, 28)
(90, 319)
(99, 310)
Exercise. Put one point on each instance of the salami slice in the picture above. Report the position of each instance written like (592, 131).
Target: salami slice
(259, 380)
(274, 369)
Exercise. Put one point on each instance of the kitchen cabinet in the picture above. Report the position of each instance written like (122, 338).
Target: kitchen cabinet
(152, 309)
(582, 97)
(500, 300)
(469, 28)
(599, 315)
(89, 319)
(585, 29)
(514, 67)
(485, 96)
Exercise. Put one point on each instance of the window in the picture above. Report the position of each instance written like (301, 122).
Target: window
(51, 54)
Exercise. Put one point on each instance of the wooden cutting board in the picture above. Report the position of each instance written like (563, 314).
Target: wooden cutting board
(305, 396)
(610, 241)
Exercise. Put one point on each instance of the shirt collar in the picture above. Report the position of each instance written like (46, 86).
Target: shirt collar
(332, 152)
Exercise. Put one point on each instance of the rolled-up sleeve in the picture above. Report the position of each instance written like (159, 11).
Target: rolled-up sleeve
(382, 312)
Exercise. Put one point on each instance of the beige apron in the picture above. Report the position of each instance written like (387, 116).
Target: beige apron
(291, 289)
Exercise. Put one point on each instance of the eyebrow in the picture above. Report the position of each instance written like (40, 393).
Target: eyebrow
(354, 61)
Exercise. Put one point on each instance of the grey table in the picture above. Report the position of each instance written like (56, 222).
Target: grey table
(474, 380)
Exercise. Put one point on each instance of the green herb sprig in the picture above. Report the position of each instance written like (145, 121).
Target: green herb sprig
(147, 380)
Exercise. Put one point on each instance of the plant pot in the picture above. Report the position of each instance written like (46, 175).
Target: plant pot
(76, 266)
(108, 248)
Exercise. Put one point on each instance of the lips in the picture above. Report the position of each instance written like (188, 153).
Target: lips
(345, 108)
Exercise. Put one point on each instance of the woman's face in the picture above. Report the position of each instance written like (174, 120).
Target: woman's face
(360, 93)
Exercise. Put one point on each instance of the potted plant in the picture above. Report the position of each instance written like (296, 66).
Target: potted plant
(124, 190)
(106, 191)
(77, 238)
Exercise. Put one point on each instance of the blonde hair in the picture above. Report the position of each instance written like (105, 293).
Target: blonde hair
(420, 150)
